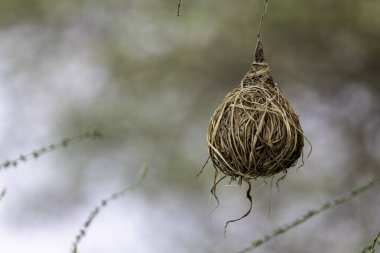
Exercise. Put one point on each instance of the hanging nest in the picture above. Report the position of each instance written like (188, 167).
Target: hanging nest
(254, 132)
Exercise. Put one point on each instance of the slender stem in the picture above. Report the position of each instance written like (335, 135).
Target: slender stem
(89, 134)
(179, 7)
(309, 214)
(375, 242)
(263, 12)
(82, 232)
(2, 193)
(371, 248)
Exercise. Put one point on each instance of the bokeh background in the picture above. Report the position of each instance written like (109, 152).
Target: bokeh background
(150, 81)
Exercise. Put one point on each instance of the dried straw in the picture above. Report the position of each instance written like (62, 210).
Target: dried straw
(254, 132)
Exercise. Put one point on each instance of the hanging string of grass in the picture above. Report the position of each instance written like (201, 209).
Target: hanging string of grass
(103, 203)
(371, 248)
(92, 134)
(309, 214)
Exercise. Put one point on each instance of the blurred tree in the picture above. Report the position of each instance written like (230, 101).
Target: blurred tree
(150, 80)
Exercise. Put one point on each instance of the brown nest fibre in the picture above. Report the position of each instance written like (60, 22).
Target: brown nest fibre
(254, 132)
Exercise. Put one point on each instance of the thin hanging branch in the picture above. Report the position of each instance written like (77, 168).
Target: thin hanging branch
(179, 7)
(309, 214)
(82, 232)
(371, 248)
(89, 134)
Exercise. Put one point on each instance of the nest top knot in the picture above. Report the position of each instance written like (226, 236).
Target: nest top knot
(259, 71)
(259, 52)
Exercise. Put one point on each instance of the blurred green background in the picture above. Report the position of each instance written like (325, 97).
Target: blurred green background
(150, 81)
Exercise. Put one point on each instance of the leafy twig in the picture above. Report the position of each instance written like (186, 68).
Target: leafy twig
(328, 205)
(90, 134)
(103, 204)
(371, 248)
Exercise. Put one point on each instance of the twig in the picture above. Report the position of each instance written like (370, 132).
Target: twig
(89, 134)
(328, 205)
(371, 248)
(179, 7)
(263, 12)
(376, 241)
(2, 194)
(103, 204)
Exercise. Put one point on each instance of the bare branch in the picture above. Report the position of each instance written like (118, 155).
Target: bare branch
(371, 248)
(83, 230)
(89, 134)
(309, 214)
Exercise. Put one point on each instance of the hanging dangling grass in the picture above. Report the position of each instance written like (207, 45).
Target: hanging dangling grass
(254, 132)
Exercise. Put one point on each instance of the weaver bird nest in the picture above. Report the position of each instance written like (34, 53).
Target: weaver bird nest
(254, 132)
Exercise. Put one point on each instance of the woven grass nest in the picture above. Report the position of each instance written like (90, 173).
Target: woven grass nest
(254, 132)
